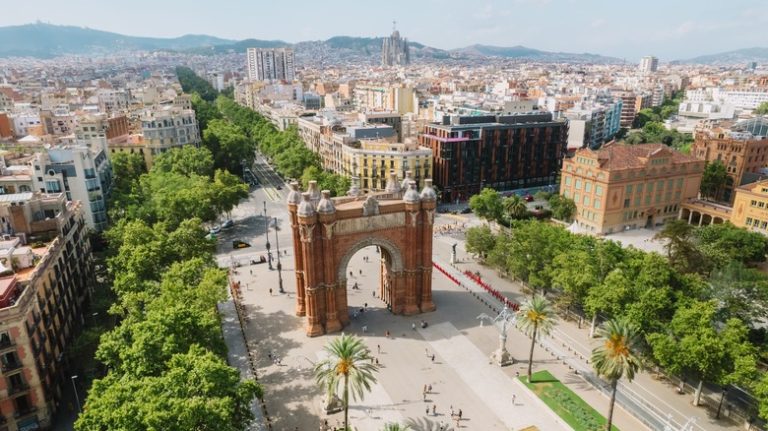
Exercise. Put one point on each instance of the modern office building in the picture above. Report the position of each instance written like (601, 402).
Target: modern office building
(621, 187)
(742, 147)
(392, 119)
(505, 152)
(649, 64)
(273, 64)
(394, 50)
(46, 278)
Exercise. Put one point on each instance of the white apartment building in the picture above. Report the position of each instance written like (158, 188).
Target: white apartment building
(400, 99)
(85, 175)
(23, 121)
(649, 64)
(112, 100)
(169, 127)
(738, 98)
(270, 64)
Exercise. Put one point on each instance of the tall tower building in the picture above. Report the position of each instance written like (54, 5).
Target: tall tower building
(649, 64)
(394, 50)
(270, 64)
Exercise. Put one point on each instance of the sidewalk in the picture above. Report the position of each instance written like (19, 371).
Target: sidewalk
(658, 398)
(237, 355)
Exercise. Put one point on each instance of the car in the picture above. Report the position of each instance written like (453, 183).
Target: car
(466, 210)
(279, 187)
(215, 229)
(239, 244)
(227, 224)
(528, 198)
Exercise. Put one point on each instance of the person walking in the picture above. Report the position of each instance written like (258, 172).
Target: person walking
(433, 358)
(434, 410)
(270, 291)
(429, 389)
(459, 414)
(513, 399)
(378, 349)
(413, 326)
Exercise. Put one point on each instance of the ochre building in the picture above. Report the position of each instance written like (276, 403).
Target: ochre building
(621, 187)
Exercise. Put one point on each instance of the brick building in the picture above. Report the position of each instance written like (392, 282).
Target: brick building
(620, 187)
(45, 280)
(504, 152)
(742, 147)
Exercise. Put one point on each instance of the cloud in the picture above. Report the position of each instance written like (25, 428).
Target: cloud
(597, 23)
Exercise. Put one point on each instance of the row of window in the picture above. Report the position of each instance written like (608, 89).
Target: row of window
(760, 224)
(649, 186)
(587, 186)
(757, 204)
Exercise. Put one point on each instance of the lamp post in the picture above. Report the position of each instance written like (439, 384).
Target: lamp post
(720, 406)
(279, 265)
(77, 398)
(501, 356)
(266, 235)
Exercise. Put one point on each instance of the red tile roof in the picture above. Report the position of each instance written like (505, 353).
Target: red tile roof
(624, 156)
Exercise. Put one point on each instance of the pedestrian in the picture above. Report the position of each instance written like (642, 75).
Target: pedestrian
(365, 305)
(459, 414)
(413, 326)
(513, 399)
(451, 411)
(429, 388)
(427, 407)
(270, 291)
(251, 272)
(378, 348)
(433, 357)
(377, 361)
(434, 410)
(426, 352)
(269, 355)
(361, 272)
(365, 329)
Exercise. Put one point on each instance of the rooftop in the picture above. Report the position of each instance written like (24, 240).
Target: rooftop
(623, 156)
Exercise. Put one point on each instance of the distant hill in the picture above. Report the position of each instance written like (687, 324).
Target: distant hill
(47, 40)
(523, 52)
(745, 55)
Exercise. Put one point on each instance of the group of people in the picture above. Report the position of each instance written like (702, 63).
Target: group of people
(450, 228)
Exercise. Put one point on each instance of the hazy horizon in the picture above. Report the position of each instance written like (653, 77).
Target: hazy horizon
(668, 30)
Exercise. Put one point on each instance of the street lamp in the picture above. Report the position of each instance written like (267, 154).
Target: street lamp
(501, 356)
(720, 406)
(266, 235)
(279, 265)
(77, 399)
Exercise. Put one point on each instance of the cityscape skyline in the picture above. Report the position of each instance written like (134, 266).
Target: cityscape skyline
(685, 30)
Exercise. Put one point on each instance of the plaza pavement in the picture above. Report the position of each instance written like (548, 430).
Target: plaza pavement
(461, 375)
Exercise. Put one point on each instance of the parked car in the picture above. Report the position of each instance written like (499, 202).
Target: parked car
(529, 198)
(240, 244)
(466, 210)
(279, 187)
(227, 224)
(215, 229)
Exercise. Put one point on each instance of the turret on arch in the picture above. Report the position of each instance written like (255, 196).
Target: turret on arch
(327, 232)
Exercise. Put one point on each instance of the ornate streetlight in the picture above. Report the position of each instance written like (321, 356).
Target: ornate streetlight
(501, 356)
(266, 235)
(279, 265)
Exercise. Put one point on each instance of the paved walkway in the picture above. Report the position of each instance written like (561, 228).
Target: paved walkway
(237, 355)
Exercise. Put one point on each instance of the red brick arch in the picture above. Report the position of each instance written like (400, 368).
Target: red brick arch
(327, 232)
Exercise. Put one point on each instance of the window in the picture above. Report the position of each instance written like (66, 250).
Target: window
(626, 203)
(639, 188)
(749, 221)
(578, 184)
(629, 189)
(598, 190)
(587, 187)
(660, 185)
(568, 181)
(679, 182)
(650, 188)
(586, 200)
(597, 204)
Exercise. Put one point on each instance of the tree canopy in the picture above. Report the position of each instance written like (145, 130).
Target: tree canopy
(713, 180)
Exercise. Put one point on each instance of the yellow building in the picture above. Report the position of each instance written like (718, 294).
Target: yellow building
(750, 207)
(371, 161)
(621, 187)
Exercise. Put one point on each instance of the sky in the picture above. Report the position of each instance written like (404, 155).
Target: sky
(668, 29)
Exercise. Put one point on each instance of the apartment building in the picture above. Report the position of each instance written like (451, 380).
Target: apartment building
(393, 98)
(45, 282)
(621, 187)
(392, 119)
(162, 129)
(649, 64)
(270, 64)
(372, 160)
(504, 152)
(742, 147)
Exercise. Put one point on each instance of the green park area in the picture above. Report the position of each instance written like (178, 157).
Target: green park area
(573, 410)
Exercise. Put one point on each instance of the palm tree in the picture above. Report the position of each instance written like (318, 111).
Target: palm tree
(348, 364)
(535, 316)
(615, 358)
(393, 426)
(515, 207)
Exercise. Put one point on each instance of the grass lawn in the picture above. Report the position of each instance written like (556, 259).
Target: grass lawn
(572, 409)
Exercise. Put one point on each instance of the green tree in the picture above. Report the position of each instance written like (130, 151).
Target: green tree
(535, 316)
(563, 208)
(480, 240)
(713, 180)
(186, 161)
(487, 204)
(127, 168)
(608, 297)
(191, 83)
(227, 191)
(575, 272)
(760, 389)
(515, 207)
(740, 291)
(204, 111)
(348, 365)
(395, 427)
(199, 391)
(229, 145)
(616, 356)
(762, 109)
(681, 251)
(732, 242)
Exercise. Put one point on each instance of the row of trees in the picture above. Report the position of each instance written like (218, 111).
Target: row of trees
(166, 357)
(492, 206)
(693, 309)
(650, 122)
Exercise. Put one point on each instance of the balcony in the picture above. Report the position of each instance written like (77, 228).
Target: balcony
(17, 389)
(10, 366)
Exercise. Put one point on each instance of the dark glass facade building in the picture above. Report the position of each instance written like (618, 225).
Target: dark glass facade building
(504, 152)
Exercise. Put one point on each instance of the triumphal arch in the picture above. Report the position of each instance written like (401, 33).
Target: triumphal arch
(327, 232)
